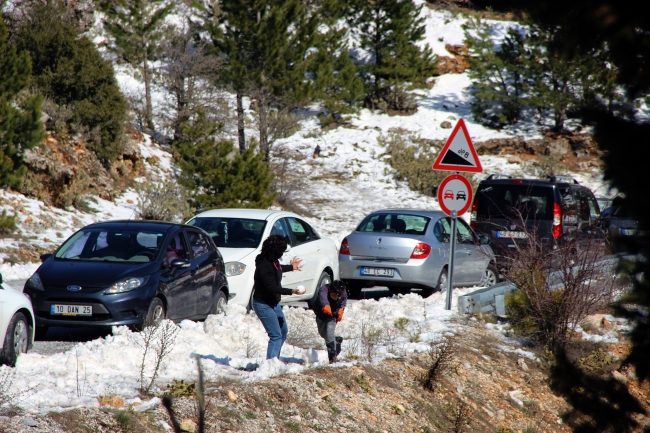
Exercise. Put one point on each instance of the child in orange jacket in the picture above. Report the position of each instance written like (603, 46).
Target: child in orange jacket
(332, 300)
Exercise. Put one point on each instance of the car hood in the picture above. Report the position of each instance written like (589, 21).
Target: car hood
(235, 254)
(95, 274)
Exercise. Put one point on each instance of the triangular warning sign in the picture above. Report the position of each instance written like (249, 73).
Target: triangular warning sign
(458, 154)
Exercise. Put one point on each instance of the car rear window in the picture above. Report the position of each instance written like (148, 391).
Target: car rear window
(232, 232)
(394, 223)
(112, 245)
(515, 201)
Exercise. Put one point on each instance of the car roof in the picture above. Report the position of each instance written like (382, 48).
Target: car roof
(259, 214)
(422, 212)
(140, 224)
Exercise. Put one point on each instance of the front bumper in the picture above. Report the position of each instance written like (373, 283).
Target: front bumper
(129, 308)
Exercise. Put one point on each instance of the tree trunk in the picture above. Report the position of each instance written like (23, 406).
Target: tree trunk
(264, 129)
(147, 92)
(240, 123)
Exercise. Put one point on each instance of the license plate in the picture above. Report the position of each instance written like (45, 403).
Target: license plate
(378, 272)
(511, 235)
(632, 232)
(71, 310)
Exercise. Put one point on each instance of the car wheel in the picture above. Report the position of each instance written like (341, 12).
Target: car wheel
(156, 312)
(220, 302)
(40, 331)
(440, 286)
(490, 277)
(16, 339)
(324, 279)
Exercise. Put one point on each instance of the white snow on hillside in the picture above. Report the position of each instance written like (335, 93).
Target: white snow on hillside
(345, 184)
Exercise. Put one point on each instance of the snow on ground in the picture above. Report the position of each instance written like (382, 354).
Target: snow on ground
(344, 185)
(231, 346)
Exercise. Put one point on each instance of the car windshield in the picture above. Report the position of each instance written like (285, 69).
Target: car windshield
(232, 232)
(112, 245)
(519, 201)
(394, 223)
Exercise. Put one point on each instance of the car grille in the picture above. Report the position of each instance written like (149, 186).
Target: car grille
(84, 289)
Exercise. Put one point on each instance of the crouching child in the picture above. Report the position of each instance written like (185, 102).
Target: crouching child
(332, 299)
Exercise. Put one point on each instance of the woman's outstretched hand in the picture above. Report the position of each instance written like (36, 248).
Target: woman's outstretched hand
(295, 262)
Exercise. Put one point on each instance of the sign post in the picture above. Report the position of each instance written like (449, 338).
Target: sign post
(455, 191)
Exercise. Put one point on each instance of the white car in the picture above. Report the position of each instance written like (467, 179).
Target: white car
(239, 233)
(16, 323)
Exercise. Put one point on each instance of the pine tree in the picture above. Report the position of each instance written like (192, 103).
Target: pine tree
(218, 176)
(20, 127)
(498, 74)
(136, 27)
(68, 69)
(390, 30)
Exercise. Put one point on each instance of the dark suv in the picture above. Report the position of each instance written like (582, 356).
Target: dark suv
(555, 211)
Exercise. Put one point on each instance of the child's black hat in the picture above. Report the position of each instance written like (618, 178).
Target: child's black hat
(338, 287)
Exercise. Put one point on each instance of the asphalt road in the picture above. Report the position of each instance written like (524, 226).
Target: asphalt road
(61, 339)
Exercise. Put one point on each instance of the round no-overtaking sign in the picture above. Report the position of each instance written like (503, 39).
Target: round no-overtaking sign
(455, 194)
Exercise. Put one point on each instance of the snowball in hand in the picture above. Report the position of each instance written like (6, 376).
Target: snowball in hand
(301, 289)
(301, 264)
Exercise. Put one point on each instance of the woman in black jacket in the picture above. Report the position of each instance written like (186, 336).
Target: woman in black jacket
(268, 290)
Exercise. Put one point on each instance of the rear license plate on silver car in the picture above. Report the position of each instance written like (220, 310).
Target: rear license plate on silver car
(632, 232)
(71, 310)
(503, 234)
(378, 272)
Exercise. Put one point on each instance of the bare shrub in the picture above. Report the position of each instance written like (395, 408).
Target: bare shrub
(287, 180)
(163, 201)
(158, 341)
(558, 288)
(303, 332)
(251, 345)
(9, 399)
(372, 336)
(391, 100)
(136, 101)
(548, 165)
(59, 116)
(282, 123)
(460, 417)
(167, 403)
(441, 358)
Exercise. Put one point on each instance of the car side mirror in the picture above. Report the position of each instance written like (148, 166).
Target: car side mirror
(180, 263)
(484, 239)
(288, 248)
(44, 257)
(1, 279)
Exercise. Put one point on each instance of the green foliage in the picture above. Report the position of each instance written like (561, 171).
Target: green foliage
(70, 71)
(497, 75)
(20, 127)
(218, 176)
(390, 31)
(412, 161)
(7, 223)
(163, 201)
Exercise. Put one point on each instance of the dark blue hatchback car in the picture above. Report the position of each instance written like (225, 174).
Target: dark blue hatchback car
(128, 273)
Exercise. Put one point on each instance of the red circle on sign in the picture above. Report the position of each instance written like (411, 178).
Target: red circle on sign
(454, 189)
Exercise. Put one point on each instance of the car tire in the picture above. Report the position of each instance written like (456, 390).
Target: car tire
(220, 300)
(156, 312)
(490, 276)
(40, 331)
(441, 285)
(325, 278)
(16, 340)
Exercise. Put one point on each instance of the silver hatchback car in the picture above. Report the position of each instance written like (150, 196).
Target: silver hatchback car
(409, 248)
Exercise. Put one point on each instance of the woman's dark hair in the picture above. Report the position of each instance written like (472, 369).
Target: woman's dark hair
(273, 247)
(338, 287)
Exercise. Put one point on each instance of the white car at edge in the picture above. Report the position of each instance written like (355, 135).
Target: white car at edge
(239, 233)
(16, 323)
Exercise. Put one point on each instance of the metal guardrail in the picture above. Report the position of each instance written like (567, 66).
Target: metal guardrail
(492, 299)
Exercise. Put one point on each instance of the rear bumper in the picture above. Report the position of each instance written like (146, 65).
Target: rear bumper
(414, 273)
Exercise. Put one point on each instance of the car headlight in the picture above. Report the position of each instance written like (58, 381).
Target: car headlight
(35, 282)
(126, 285)
(234, 268)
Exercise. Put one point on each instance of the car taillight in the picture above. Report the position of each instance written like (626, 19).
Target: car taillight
(345, 250)
(472, 216)
(421, 251)
(557, 220)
